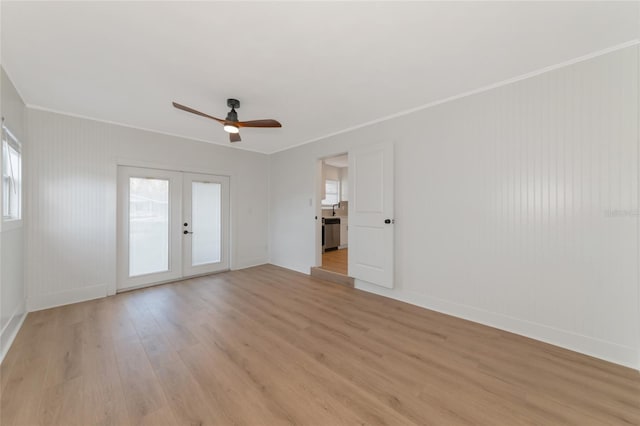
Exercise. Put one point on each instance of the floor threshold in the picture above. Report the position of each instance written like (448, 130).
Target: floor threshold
(335, 277)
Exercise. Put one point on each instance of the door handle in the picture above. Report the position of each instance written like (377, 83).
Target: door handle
(389, 221)
(187, 232)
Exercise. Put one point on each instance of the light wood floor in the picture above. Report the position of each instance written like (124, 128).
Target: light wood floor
(267, 346)
(336, 261)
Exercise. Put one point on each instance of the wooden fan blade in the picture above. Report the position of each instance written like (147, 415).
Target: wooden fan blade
(234, 137)
(259, 123)
(193, 111)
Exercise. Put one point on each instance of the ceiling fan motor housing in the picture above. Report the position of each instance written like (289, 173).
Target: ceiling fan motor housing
(233, 104)
(232, 116)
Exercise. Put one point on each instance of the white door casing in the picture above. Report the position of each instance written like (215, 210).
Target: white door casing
(371, 223)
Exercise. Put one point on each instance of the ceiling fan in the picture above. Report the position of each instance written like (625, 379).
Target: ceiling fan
(231, 123)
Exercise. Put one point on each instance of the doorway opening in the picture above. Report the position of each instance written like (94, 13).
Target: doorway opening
(364, 207)
(333, 200)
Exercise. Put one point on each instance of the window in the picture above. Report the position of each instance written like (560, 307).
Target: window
(11, 176)
(332, 192)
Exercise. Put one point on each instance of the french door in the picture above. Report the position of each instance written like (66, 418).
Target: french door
(171, 225)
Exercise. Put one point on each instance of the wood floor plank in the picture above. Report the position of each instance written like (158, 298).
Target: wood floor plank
(231, 388)
(104, 402)
(333, 350)
(141, 388)
(269, 359)
(336, 261)
(550, 405)
(268, 346)
(63, 403)
(24, 391)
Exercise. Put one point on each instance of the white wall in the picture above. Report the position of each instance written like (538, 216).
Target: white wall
(330, 172)
(344, 184)
(12, 290)
(71, 206)
(516, 207)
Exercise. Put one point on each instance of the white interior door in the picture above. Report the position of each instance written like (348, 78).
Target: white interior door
(205, 230)
(171, 225)
(149, 240)
(371, 214)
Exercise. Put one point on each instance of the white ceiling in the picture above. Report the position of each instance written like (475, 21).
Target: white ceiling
(319, 68)
(340, 161)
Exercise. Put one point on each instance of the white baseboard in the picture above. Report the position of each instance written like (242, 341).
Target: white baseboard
(306, 271)
(608, 351)
(249, 264)
(66, 297)
(10, 330)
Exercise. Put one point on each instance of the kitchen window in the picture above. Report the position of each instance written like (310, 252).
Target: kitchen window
(332, 192)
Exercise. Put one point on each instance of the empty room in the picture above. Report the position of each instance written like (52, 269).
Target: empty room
(320, 213)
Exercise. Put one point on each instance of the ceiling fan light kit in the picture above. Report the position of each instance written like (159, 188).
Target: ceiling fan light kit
(231, 124)
(230, 128)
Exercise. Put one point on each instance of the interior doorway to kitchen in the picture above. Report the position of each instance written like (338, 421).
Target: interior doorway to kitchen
(333, 200)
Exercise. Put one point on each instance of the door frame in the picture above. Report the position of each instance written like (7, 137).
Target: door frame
(318, 205)
(112, 284)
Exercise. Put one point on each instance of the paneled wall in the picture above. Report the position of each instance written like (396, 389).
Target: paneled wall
(12, 289)
(71, 206)
(516, 207)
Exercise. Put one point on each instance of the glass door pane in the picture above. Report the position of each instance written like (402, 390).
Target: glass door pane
(148, 226)
(206, 206)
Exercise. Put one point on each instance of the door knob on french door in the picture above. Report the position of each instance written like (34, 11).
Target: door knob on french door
(187, 232)
(389, 221)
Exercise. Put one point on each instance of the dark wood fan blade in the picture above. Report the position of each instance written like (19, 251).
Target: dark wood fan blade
(234, 137)
(259, 123)
(193, 111)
